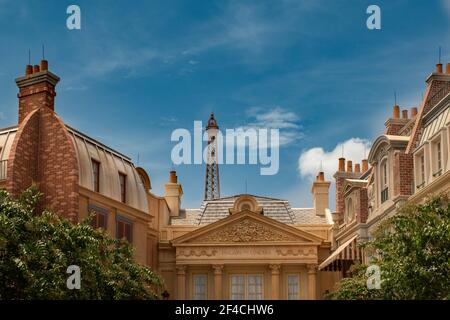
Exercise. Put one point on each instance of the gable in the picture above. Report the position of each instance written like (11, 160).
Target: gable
(247, 227)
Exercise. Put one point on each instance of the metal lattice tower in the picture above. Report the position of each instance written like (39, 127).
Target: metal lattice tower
(212, 186)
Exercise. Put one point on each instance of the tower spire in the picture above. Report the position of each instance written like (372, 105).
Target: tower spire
(212, 186)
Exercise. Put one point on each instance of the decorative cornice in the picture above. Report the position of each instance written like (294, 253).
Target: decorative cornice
(246, 230)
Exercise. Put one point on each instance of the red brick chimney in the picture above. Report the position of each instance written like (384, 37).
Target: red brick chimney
(394, 124)
(36, 89)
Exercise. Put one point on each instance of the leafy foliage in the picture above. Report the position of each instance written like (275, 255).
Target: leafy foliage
(412, 249)
(35, 251)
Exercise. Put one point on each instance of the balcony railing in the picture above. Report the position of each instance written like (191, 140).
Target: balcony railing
(3, 167)
(384, 194)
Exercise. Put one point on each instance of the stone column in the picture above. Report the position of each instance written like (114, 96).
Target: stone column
(312, 281)
(181, 282)
(218, 272)
(275, 280)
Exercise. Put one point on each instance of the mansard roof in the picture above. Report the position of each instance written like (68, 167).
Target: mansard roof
(277, 209)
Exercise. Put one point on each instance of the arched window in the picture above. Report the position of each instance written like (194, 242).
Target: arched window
(384, 181)
(349, 210)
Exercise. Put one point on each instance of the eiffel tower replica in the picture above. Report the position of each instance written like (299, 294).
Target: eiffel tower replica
(212, 186)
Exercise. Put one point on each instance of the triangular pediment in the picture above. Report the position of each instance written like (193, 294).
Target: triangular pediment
(247, 227)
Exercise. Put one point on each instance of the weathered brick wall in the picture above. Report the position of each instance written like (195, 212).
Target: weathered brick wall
(38, 95)
(363, 210)
(22, 163)
(403, 174)
(340, 205)
(43, 150)
(394, 129)
(58, 166)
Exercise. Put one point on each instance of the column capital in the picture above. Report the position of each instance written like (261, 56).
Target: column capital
(181, 269)
(218, 268)
(312, 268)
(275, 268)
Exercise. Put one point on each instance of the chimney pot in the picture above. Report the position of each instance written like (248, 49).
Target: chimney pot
(413, 112)
(357, 168)
(447, 68)
(439, 68)
(321, 176)
(35, 68)
(341, 164)
(349, 166)
(173, 177)
(44, 65)
(365, 165)
(404, 114)
(396, 112)
(28, 69)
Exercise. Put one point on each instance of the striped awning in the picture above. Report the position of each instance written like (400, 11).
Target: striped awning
(343, 257)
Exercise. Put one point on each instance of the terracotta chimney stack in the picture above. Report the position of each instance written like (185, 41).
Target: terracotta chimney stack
(404, 114)
(365, 165)
(396, 112)
(413, 112)
(44, 65)
(28, 69)
(447, 68)
(321, 176)
(173, 177)
(341, 164)
(357, 168)
(439, 68)
(36, 89)
(349, 166)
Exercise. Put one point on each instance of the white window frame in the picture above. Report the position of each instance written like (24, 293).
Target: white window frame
(246, 286)
(198, 295)
(289, 286)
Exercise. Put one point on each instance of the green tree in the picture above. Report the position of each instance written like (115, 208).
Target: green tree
(36, 250)
(412, 249)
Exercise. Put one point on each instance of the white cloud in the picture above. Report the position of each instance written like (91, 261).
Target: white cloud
(310, 160)
(274, 118)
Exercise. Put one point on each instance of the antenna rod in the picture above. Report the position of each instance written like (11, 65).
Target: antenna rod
(43, 52)
(395, 98)
(439, 54)
(29, 56)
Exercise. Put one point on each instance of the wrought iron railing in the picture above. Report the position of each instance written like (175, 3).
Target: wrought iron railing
(3, 167)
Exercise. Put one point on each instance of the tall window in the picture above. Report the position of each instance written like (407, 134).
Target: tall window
(439, 156)
(246, 287)
(422, 169)
(384, 174)
(96, 174)
(255, 287)
(100, 218)
(124, 229)
(200, 286)
(384, 181)
(123, 187)
(293, 285)
(238, 287)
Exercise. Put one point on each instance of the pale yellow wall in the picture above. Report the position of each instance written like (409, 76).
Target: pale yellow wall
(141, 222)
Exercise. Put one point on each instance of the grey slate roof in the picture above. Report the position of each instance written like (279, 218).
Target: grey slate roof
(278, 209)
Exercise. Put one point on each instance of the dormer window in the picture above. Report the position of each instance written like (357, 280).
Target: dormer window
(123, 187)
(96, 175)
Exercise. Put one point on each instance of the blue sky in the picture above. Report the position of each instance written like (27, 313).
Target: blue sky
(138, 70)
